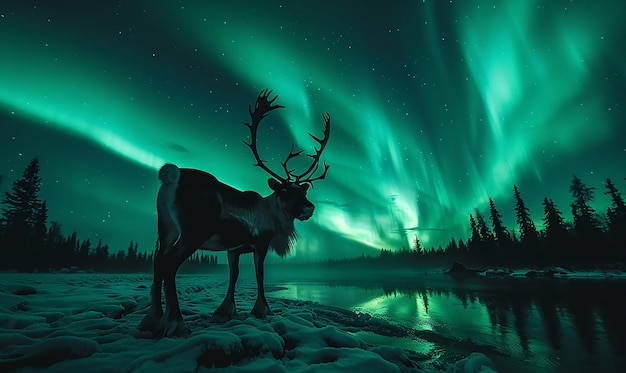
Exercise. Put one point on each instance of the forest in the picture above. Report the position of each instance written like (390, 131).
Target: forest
(592, 240)
(29, 244)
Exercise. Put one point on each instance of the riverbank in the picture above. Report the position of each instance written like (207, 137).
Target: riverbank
(459, 270)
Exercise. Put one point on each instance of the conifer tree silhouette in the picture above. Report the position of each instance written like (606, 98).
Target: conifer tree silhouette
(616, 216)
(23, 221)
(501, 234)
(587, 227)
(527, 230)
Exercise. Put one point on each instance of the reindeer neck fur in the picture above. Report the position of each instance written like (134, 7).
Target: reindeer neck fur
(282, 225)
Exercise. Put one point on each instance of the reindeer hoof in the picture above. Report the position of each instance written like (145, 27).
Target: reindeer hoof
(175, 328)
(224, 312)
(152, 322)
(261, 310)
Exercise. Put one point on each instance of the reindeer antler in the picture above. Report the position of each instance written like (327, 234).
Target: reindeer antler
(316, 157)
(263, 106)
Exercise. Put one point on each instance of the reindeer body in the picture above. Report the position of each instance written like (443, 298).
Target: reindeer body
(195, 207)
(197, 211)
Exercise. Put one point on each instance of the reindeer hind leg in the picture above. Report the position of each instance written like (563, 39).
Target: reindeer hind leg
(172, 320)
(152, 319)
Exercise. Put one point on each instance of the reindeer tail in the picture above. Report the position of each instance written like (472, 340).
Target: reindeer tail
(169, 227)
(169, 174)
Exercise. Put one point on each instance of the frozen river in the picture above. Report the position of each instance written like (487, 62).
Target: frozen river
(565, 325)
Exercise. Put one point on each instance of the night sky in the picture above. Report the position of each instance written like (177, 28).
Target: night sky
(436, 106)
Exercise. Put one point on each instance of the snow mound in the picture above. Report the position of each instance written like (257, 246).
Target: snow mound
(48, 351)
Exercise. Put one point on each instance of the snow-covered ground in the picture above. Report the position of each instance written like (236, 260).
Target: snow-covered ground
(88, 323)
(555, 272)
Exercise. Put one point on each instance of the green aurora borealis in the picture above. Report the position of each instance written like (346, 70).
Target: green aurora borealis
(436, 106)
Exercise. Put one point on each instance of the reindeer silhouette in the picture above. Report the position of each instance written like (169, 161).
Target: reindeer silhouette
(197, 211)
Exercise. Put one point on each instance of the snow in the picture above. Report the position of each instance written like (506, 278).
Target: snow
(552, 272)
(88, 323)
(459, 269)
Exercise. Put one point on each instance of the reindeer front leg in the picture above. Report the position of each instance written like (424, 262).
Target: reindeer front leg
(261, 309)
(227, 309)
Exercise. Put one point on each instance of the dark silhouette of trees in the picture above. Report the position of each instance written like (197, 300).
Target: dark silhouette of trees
(527, 230)
(84, 249)
(475, 237)
(418, 245)
(23, 219)
(587, 227)
(483, 241)
(27, 243)
(501, 234)
(616, 216)
(462, 247)
(452, 246)
(486, 236)
(131, 252)
(102, 251)
(556, 234)
(586, 242)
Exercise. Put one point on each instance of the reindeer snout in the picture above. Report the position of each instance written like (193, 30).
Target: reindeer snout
(306, 213)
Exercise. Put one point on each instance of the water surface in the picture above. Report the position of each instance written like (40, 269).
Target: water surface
(538, 325)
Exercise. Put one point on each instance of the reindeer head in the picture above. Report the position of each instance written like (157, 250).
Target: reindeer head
(292, 199)
(290, 190)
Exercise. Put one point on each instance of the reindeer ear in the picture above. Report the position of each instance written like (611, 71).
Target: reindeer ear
(273, 184)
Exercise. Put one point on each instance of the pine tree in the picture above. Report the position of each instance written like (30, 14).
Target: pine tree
(483, 249)
(23, 203)
(452, 245)
(69, 250)
(23, 220)
(131, 256)
(557, 236)
(462, 247)
(485, 234)
(617, 212)
(501, 234)
(39, 226)
(418, 246)
(617, 220)
(84, 249)
(527, 230)
(54, 237)
(102, 252)
(586, 221)
(475, 238)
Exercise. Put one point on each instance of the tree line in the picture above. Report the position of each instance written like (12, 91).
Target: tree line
(29, 243)
(591, 240)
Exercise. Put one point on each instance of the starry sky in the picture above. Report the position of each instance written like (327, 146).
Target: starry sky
(436, 106)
